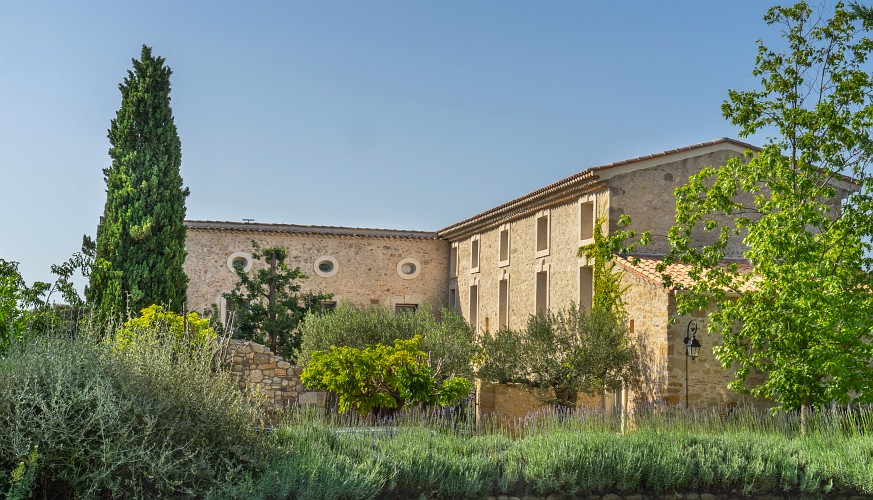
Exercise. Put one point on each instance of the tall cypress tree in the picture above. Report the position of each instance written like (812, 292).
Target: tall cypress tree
(140, 247)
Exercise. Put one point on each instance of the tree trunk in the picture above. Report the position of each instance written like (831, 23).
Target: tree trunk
(566, 397)
(271, 310)
(804, 415)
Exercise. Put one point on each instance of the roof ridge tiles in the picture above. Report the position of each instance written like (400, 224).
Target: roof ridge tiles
(309, 229)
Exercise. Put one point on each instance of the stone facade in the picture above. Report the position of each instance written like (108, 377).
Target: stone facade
(255, 367)
(503, 265)
(506, 404)
(646, 195)
(648, 308)
(559, 263)
(365, 262)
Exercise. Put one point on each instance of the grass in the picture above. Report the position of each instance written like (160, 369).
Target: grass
(439, 455)
(82, 419)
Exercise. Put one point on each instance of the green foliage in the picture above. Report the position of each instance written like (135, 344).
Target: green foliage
(154, 325)
(140, 247)
(22, 478)
(129, 423)
(608, 290)
(802, 317)
(447, 338)
(15, 299)
(381, 377)
(28, 310)
(570, 351)
(569, 454)
(267, 306)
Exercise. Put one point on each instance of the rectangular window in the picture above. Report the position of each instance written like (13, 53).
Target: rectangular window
(542, 293)
(453, 298)
(503, 304)
(586, 220)
(474, 308)
(586, 288)
(405, 308)
(328, 305)
(542, 234)
(474, 254)
(503, 256)
(453, 261)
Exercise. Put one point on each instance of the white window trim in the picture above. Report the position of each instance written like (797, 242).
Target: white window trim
(408, 260)
(328, 258)
(585, 263)
(453, 266)
(247, 256)
(474, 282)
(503, 275)
(548, 214)
(478, 253)
(414, 299)
(546, 268)
(591, 198)
(500, 262)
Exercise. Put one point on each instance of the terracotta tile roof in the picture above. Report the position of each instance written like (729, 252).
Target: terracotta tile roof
(260, 227)
(646, 268)
(558, 192)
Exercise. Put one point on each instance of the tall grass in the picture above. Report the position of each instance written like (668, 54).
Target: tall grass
(579, 453)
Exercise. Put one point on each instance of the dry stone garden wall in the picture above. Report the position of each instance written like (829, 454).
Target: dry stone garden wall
(256, 367)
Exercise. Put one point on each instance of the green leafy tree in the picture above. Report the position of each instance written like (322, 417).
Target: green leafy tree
(802, 317)
(381, 378)
(447, 338)
(140, 246)
(28, 310)
(568, 352)
(268, 306)
(15, 302)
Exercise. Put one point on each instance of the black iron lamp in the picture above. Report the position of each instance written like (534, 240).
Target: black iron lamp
(692, 345)
(692, 350)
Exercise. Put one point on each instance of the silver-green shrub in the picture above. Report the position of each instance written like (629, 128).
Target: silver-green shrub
(114, 422)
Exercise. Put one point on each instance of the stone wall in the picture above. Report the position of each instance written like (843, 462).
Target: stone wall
(255, 366)
(707, 380)
(560, 262)
(366, 267)
(507, 403)
(647, 196)
(648, 313)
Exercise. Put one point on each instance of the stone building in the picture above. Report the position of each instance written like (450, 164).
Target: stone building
(384, 267)
(507, 263)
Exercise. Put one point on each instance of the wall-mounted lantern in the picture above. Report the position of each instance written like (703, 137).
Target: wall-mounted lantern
(692, 350)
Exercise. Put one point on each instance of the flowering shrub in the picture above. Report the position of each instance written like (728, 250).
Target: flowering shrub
(155, 325)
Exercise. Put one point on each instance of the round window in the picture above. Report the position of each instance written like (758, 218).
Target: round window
(408, 268)
(326, 266)
(239, 261)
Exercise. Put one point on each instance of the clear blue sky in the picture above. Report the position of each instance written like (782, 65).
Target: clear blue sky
(409, 115)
